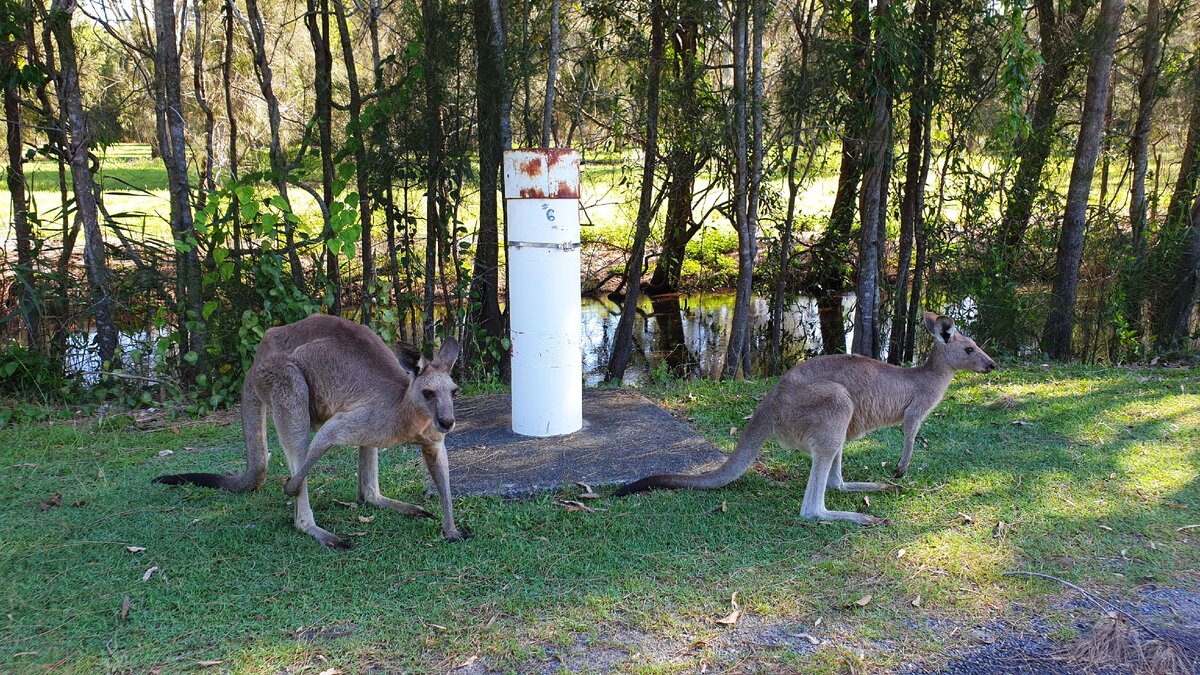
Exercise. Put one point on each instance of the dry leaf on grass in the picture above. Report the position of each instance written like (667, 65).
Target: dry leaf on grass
(50, 502)
(330, 671)
(731, 618)
(135, 549)
(123, 613)
(365, 519)
(965, 518)
(209, 663)
(466, 663)
(733, 431)
(916, 602)
(1000, 530)
(349, 505)
(165, 453)
(149, 573)
(811, 640)
(900, 553)
(1105, 528)
(862, 602)
(1186, 527)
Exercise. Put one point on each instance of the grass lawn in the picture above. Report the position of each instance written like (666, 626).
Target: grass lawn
(1092, 472)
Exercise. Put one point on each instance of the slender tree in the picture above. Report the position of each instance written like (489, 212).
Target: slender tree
(173, 146)
(13, 26)
(78, 148)
(1056, 336)
(623, 340)
(551, 75)
(317, 19)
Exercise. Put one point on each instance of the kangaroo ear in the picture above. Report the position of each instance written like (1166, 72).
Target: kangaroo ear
(942, 327)
(410, 358)
(448, 353)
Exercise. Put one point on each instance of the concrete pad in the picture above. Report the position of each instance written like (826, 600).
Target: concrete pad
(625, 436)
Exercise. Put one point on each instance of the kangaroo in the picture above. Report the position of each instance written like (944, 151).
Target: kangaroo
(821, 403)
(337, 377)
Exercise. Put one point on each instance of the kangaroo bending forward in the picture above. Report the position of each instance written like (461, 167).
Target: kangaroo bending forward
(825, 401)
(327, 372)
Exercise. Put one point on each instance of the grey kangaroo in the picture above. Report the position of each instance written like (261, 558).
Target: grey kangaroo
(825, 401)
(327, 372)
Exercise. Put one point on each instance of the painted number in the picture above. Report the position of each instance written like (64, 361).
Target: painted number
(550, 215)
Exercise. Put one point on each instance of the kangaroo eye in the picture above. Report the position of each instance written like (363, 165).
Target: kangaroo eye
(970, 350)
(428, 394)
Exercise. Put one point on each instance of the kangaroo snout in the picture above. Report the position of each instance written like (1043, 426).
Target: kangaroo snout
(443, 424)
(988, 367)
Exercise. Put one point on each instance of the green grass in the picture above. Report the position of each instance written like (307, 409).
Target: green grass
(1066, 453)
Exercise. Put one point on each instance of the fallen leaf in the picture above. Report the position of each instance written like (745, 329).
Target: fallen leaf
(733, 431)
(589, 495)
(330, 671)
(965, 517)
(818, 621)
(209, 663)
(748, 416)
(349, 505)
(1000, 530)
(722, 507)
(356, 534)
(584, 486)
(124, 611)
(1022, 423)
(165, 453)
(1125, 554)
(900, 553)
(731, 618)
(26, 654)
(50, 502)
(365, 519)
(135, 549)
(866, 500)
(149, 573)
(437, 627)
(1186, 527)
(862, 602)
(466, 663)
(811, 640)
(100, 473)
(1105, 528)
(916, 602)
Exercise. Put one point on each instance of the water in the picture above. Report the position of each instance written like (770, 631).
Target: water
(687, 335)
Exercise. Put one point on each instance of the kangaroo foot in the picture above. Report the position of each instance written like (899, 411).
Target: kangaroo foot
(863, 487)
(860, 518)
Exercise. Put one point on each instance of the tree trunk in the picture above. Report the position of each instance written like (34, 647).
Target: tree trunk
(915, 174)
(77, 148)
(174, 155)
(27, 296)
(1173, 329)
(485, 281)
(1056, 336)
(357, 140)
(866, 320)
(623, 340)
(279, 169)
(1139, 156)
(317, 19)
(551, 76)
(431, 19)
(739, 327)
(1057, 34)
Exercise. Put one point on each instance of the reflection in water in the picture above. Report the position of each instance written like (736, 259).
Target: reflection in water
(686, 335)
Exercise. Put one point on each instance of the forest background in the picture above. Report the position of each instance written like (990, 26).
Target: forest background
(183, 175)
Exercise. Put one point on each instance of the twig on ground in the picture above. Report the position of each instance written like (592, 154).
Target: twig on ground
(1103, 604)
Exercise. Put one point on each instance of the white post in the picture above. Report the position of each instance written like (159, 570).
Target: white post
(541, 191)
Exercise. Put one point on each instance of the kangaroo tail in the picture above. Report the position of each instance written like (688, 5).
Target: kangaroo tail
(750, 443)
(254, 423)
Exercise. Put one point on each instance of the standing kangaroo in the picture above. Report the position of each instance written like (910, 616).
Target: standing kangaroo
(825, 401)
(327, 372)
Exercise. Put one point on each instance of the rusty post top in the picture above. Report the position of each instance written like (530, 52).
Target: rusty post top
(541, 173)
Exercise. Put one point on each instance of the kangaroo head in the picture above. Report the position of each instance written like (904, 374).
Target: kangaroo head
(433, 390)
(953, 349)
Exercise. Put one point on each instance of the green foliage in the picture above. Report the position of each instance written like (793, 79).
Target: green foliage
(30, 375)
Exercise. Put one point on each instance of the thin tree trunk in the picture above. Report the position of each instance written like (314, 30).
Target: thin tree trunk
(785, 261)
(207, 179)
(78, 147)
(551, 76)
(317, 19)
(357, 141)
(227, 86)
(174, 155)
(431, 19)
(1173, 330)
(278, 161)
(741, 174)
(623, 340)
(27, 296)
(920, 110)
(866, 320)
(1139, 152)
(1056, 336)
(485, 280)
(1057, 36)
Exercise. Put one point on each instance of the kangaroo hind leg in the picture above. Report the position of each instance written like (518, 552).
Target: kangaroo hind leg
(368, 486)
(289, 409)
(836, 482)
